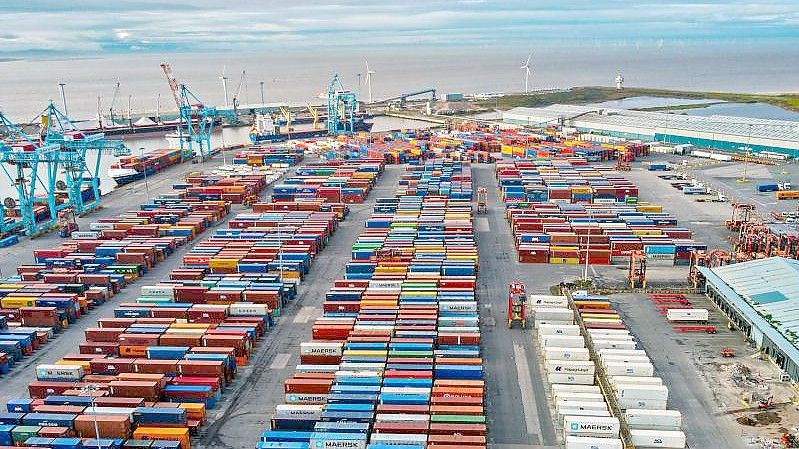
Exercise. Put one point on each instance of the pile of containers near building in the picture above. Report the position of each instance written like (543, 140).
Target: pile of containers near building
(581, 409)
(68, 280)
(564, 211)
(637, 392)
(395, 360)
(165, 358)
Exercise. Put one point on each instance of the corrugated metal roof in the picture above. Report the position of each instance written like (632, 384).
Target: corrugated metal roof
(770, 286)
(784, 130)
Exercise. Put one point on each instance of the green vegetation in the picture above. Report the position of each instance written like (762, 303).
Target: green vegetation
(595, 94)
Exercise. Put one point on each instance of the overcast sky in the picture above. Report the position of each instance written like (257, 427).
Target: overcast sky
(88, 27)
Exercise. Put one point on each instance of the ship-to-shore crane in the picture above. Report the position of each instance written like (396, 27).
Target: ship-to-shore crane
(196, 119)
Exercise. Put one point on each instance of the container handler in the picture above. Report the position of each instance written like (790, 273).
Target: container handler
(67, 224)
(517, 304)
(482, 200)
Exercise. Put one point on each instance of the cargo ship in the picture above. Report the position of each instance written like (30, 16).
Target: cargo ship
(131, 168)
(268, 129)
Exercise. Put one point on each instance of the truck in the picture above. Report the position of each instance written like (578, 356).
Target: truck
(687, 315)
(694, 190)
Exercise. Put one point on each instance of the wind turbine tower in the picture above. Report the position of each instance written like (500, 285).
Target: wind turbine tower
(619, 82)
(526, 68)
(369, 74)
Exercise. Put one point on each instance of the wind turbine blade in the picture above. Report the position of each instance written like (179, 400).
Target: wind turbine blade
(528, 59)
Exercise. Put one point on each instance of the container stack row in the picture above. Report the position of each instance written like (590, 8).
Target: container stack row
(395, 360)
(561, 212)
(66, 281)
(581, 409)
(337, 181)
(637, 392)
(270, 155)
(165, 358)
(238, 187)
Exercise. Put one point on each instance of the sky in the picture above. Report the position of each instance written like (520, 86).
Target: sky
(92, 27)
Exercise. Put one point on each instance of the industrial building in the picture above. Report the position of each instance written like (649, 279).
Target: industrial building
(715, 131)
(761, 298)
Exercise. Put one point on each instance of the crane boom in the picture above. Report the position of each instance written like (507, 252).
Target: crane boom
(173, 83)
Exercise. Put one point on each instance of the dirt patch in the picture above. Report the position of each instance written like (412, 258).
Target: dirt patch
(760, 419)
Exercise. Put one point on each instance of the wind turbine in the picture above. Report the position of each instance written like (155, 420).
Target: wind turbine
(224, 85)
(526, 68)
(369, 74)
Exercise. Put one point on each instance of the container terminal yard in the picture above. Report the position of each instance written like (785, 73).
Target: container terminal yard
(536, 288)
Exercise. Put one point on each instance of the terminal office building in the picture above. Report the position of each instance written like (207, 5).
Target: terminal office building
(715, 131)
(761, 298)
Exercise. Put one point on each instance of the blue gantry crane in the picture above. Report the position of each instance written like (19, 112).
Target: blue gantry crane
(341, 108)
(81, 175)
(197, 119)
(31, 167)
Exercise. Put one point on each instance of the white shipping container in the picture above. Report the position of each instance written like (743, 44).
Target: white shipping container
(566, 354)
(613, 337)
(648, 404)
(317, 368)
(632, 380)
(629, 369)
(563, 405)
(577, 379)
(570, 396)
(653, 419)
(160, 291)
(688, 315)
(248, 309)
(562, 341)
(553, 329)
(59, 372)
(624, 359)
(594, 332)
(552, 313)
(120, 411)
(402, 417)
(614, 344)
(398, 439)
(591, 426)
(671, 439)
(559, 388)
(611, 351)
(542, 301)
(321, 348)
(629, 391)
(562, 413)
(537, 323)
(101, 226)
(85, 235)
(362, 366)
(571, 367)
(395, 285)
(575, 442)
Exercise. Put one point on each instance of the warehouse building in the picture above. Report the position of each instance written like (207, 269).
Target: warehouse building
(761, 297)
(715, 131)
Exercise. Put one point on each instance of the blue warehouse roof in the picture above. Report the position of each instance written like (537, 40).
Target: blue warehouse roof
(760, 289)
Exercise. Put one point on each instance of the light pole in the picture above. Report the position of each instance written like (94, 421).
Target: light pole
(262, 94)
(359, 85)
(146, 186)
(587, 254)
(89, 390)
(61, 85)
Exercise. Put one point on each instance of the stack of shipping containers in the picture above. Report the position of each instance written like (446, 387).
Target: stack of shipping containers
(564, 211)
(638, 393)
(163, 360)
(581, 409)
(395, 360)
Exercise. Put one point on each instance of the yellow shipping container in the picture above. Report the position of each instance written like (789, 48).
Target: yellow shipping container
(649, 208)
(647, 232)
(222, 263)
(16, 302)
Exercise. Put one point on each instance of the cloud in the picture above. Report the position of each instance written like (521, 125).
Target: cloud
(198, 25)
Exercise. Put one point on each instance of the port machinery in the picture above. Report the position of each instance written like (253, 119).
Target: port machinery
(341, 107)
(197, 119)
(33, 166)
